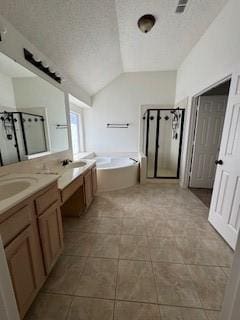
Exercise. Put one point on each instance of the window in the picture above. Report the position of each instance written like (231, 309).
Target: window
(76, 130)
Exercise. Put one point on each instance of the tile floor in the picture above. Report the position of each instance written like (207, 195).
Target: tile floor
(144, 253)
(205, 195)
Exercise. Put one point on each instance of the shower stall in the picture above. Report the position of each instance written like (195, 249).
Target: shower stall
(21, 134)
(162, 141)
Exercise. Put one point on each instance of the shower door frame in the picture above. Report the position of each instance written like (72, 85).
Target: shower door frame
(155, 176)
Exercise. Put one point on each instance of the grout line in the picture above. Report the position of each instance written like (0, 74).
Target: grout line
(125, 300)
(148, 260)
(69, 308)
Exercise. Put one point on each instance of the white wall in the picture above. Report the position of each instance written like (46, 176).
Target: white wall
(36, 92)
(213, 58)
(214, 55)
(6, 91)
(120, 102)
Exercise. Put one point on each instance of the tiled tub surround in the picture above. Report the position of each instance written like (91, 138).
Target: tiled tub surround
(144, 253)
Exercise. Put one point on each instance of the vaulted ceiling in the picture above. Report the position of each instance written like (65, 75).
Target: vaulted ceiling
(96, 40)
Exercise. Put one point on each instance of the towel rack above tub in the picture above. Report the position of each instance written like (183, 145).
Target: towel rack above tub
(117, 125)
(61, 126)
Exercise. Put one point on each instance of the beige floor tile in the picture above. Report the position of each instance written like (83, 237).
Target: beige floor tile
(165, 250)
(49, 307)
(177, 313)
(175, 286)
(109, 225)
(227, 271)
(162, 223)
(65, 275)
(112, 211)
(212, 315)
(83, 224)
(98, 279)
(105, 246)
(205, 252)
(134, 248)
(136, 311)
(159, 228)
(136, 281)
(77, 243)
(210, 284)
(91, 309)
(133, 226)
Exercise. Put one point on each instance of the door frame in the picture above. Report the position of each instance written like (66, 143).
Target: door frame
(157, 140)
(192, 126)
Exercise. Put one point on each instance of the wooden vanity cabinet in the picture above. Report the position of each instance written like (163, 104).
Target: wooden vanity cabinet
(33, 239)
(23, 261)
(19, 231)
(94, 180)
(88, 188)
(78, 195)
(51, 234)
(50, 225)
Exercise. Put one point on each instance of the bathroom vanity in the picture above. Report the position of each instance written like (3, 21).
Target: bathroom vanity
(31, 230)
(77, 186)
(31, 209)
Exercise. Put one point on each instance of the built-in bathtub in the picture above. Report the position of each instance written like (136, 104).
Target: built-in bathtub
(115, 173)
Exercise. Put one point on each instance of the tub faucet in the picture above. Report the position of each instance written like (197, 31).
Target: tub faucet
(65, 162)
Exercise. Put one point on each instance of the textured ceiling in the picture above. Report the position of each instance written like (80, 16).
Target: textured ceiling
(80, 35)
(95, 40)
(172, 37)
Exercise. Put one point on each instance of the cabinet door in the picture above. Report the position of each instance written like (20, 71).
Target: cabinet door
(51, 233)
(88, 188)
(94, 180)
(22, 258)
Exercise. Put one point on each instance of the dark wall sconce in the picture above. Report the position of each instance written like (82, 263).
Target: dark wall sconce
(39, 64)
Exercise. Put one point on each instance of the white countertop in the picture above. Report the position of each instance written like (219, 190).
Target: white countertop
(68, 174)
(38, 182)
(64, 175)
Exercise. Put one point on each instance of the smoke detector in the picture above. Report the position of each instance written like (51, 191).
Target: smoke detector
(146, 22)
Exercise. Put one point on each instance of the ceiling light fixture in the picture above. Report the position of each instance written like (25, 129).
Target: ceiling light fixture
(146, 22)
(42, 65)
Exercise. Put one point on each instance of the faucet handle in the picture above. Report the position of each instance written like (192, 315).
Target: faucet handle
(65, 162)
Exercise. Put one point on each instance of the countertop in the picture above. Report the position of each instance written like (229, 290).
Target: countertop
(64, 176)
(38, 182)
(68, 174)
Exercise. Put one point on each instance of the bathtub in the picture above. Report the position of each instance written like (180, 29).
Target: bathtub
(116, 173)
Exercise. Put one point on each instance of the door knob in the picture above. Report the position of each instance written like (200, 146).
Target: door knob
(219, 162)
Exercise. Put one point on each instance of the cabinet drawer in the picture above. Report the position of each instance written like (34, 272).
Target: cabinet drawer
(46, 199)
(18, 221)
(71, 188)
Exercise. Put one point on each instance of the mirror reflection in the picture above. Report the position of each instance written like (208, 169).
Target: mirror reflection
(32, 114)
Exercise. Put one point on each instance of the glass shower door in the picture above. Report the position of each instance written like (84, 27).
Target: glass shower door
(152, 122)
(163, 142)
(33, 133)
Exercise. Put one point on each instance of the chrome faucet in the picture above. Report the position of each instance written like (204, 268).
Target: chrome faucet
(65, 162)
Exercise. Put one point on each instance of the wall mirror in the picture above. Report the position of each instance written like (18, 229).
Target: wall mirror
(33, 117)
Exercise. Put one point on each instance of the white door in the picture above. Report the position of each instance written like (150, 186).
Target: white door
(225, 207)
(208, 133)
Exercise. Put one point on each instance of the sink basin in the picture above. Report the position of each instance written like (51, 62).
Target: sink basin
(78, 164)
(11, 188)
(18, 179)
